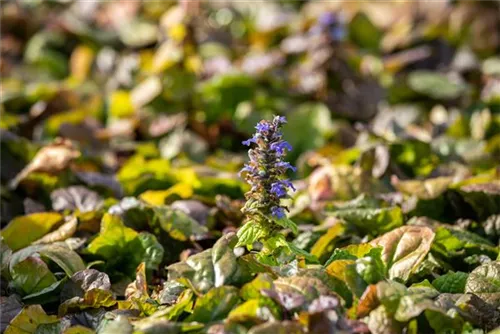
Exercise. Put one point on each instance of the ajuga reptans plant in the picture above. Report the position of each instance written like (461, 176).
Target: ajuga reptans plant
(266, 174)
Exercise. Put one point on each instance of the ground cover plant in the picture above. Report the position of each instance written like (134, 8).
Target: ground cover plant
(250, 167)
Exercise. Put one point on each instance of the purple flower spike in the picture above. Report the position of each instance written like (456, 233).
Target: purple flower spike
(266, 170)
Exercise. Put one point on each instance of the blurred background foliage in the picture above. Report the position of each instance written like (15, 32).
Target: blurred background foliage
(156, 93)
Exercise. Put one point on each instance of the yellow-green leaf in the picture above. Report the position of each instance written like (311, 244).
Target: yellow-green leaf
(22, 231)
(113, 232)
(160, 197)
(325, 245)
(28, 320)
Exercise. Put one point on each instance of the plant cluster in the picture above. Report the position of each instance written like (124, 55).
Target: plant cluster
(266, 174)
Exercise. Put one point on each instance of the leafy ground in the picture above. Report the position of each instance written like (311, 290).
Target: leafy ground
(121, 140)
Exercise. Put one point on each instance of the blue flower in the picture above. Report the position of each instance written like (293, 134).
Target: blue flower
(263, 126)
(288, 184)
(248, 142)
(279, 120)
(247, 168)
(285, 165)
(280, 147)
(278, 189)
(278, 212)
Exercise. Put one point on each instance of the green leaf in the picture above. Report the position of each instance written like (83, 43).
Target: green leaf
(170, 292)
(31, 227)
(152, 251)
(123, 248)
(48, 295)
(441, 322)
(434, 85)
(198, 269)
(63, 256)
(177, 223)
(484, 281)
(371, 267)
(29, 319)
(113, 239)
(364, 33)
(451, 241)
(302, 253)
(224, 261)
(351, 252)
(250, 233)
(354, 280)
(307, 239)
(338, 268)
(252, 290)
(404, 249)
(59, 253)
(41, 52)
(451, 282)
(412, 306)
(215, 305)
(326, 243)
(373, 221)
(183, 305)
(389, 293)
(287, 223)
(31, 275)
(414, 157)
(255, 310)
